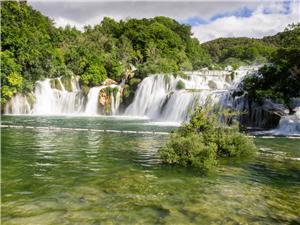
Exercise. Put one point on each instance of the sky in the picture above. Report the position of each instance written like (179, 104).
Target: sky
(209, 19)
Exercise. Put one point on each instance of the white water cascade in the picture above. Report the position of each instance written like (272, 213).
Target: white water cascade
(161, 98)
(92, 104)
(51, 98)
(51, 101)
(18, 105)
(288, 125)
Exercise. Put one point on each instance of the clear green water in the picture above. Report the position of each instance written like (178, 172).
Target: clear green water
(85, 177)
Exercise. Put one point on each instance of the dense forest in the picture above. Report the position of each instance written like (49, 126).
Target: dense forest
(32, 48)
(248, 51)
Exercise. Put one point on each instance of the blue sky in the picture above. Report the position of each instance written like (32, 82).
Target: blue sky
(197, 20)
(209, 19)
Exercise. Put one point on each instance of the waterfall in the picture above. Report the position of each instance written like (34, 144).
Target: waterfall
(288, 125)
(158, 97)
(93, 99)
(50, 98)
(55, 97)
(115, 102)
(51, 101)
(18, 105)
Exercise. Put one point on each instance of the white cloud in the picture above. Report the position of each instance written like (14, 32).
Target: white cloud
(62, 22)
(89, 12)
(78, 13)
(256, 26)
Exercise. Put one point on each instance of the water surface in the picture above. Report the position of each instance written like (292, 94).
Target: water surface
(86, 177)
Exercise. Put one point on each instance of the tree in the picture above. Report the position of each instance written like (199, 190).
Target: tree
(204, 140)
(94, 75)
(11, 79)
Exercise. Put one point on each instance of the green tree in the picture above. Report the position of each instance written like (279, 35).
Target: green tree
(204, 140)
(94, 75)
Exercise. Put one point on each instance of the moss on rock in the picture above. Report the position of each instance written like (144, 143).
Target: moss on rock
(67, 82)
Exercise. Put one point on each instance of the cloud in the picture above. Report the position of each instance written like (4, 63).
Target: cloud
(209, 19)
(83, 13)
(259, 24)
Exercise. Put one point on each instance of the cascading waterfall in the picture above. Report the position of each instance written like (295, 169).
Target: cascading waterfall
(290, 124)
(18, 105)
(93, 98)
(52, 101)
(115, 102)
(159, 97)
(51, 98)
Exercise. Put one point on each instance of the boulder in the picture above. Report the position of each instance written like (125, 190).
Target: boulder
(272, 107)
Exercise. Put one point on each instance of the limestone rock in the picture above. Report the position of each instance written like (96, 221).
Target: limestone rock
(108, 82)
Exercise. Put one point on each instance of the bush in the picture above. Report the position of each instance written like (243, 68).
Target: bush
(180, 85)
(204, 140)
(189, 151)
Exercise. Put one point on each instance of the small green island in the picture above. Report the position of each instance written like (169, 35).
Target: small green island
(146, 112)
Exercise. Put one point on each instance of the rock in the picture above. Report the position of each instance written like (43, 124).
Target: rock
(105, 101)
(212, 85)
(104, 98)
(295, 103)
(278, 109)
(108, 82)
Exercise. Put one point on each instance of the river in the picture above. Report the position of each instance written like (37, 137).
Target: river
(52, 176)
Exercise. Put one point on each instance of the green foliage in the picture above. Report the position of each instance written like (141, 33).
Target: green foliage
(245, 51)
(204, 140)
(114, 69)
(189, 151)
(115, 91)
(94, 75)
(180, 85)
(33, 49)
(279, 81)
(290, 37)
(239, 51)
(11, 79)
(109, 90)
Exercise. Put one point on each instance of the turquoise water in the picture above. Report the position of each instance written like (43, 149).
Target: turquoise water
(86, 177)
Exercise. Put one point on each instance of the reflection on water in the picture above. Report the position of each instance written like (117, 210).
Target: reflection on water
(84, 177)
